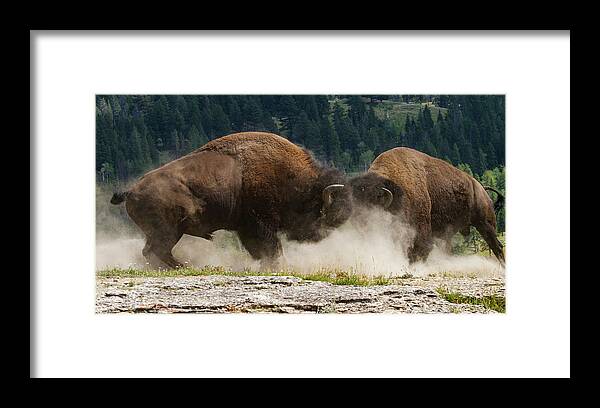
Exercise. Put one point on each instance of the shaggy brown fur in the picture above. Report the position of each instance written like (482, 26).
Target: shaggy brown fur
(435, 198)
(255, 183)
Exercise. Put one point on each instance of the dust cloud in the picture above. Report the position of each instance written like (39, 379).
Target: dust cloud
(372, 243)
(375, 243)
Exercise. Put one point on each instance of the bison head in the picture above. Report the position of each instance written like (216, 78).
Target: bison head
(371, 189)
(326, 206)
(336, 205)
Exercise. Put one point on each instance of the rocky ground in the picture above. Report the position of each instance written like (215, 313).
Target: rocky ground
(286, 294)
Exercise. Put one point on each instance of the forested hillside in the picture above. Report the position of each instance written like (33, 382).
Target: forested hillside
(135, 133)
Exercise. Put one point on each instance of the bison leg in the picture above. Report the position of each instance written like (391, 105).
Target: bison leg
(488, 232)
(159, 246)
(265, 247)
(422, 245)
(448, 236)
(446, 241)
(147, 252)
(419, 214)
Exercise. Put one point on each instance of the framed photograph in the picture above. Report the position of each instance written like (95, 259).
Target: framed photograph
(218, 201)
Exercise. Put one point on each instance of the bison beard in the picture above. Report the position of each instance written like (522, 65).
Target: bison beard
(258, 184)
(432, 196)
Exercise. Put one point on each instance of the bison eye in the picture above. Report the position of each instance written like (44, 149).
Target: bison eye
(362, 189)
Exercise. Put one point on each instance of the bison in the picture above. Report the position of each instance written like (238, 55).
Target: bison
(433, 197)
(257, 184)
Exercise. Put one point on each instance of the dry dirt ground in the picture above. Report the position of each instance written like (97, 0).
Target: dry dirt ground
(286, 294)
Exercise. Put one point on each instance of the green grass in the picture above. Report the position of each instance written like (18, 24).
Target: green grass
(497, 303)
(333, 276)
(397, 111)
(340, 277)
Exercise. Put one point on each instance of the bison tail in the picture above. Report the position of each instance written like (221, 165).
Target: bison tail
(119, 197)
(499, 201)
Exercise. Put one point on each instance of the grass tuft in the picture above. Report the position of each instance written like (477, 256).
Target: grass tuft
(341, 277)
(333, 276)
(497, 303)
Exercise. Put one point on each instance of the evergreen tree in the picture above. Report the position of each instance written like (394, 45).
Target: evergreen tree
(365, 159)
(196, 138)
(135, 149)
(430, 149)
(345, 161)
(331, 142)
(152, 147)
(160, 116)
(307, 104)
(481, 162)
(357, 109)
(287, 110)
(253, 116)
(455, 155)
(219, 121)
(173, 141)
(444, 148)
(466, 151)
(347, 133)
(235, 114)
(426, 119)
(440, 117)
(145, 148)
(490, 154)
(312, 139)
(322, 105)
(300, 130)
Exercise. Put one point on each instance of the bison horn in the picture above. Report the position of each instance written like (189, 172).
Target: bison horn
(389, 197)
(328, 193)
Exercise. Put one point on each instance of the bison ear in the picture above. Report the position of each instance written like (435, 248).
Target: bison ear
(328, 193)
